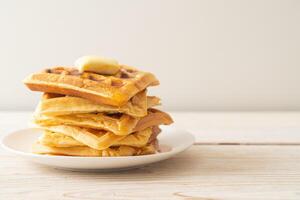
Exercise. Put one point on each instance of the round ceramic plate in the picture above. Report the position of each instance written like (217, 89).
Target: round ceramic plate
(172, 142)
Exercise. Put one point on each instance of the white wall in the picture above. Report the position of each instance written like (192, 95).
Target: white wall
(209, 55)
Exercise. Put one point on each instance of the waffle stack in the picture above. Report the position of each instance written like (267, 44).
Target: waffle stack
(93, 114)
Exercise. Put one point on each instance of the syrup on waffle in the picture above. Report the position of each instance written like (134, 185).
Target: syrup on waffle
(113, 90)
(108, 113)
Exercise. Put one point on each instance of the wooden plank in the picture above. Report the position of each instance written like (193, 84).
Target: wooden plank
(241, 127)
(203, 172)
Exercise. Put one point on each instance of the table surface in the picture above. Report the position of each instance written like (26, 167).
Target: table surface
(237, 155)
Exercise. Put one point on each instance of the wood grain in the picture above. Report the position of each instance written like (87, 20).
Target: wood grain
(266, 166)
(210, 172)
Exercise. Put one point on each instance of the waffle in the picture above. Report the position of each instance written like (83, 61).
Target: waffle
(84, 113)
(53, 139)
(119, 124)
(71, 136)
(113, 90)
(53, 105)
(87, 151)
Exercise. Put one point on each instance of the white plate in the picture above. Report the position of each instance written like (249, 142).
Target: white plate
(20, 142)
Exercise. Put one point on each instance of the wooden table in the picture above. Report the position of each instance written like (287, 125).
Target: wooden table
(236, 156)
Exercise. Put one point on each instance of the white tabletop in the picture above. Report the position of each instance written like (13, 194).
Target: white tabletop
(264, 164)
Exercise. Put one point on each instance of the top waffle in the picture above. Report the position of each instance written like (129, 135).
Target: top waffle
(113, 90)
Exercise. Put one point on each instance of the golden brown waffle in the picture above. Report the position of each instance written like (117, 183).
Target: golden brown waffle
(119, 124)
(70, 136)
(113, 90)
(53, 139)
(137, 139)
(87, 151)
(53, 105)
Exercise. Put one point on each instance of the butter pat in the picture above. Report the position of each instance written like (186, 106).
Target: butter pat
(96, 64)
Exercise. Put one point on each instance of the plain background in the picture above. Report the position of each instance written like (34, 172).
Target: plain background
(209, 55)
